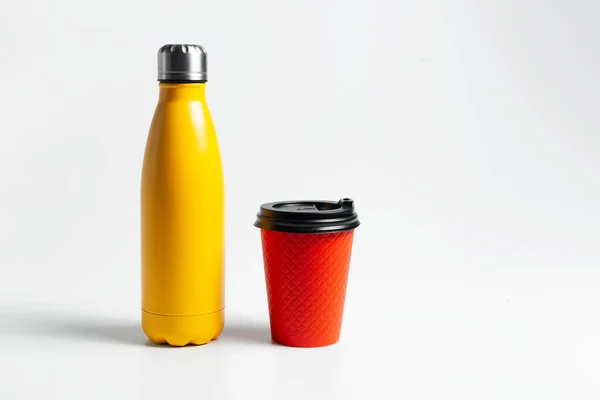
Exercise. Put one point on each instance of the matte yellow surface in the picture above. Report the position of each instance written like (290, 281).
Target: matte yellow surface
(182, 220)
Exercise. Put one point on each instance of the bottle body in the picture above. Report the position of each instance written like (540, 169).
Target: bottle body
(182, 203)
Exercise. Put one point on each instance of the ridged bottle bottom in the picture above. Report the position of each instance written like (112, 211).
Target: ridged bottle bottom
(183, 330)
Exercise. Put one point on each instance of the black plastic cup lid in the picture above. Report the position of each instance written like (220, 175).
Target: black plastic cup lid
(308, 216)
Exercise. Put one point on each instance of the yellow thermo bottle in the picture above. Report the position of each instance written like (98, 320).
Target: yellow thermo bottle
(182, 207)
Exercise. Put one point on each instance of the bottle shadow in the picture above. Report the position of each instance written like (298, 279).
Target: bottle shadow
(246, 331)
(43, 324)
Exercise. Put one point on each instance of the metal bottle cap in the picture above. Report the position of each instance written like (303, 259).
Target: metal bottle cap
(182, 63)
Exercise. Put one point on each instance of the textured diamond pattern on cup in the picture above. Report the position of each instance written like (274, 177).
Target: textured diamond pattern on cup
(306, 277)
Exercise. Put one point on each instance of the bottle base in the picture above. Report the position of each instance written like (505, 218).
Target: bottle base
(181, 331)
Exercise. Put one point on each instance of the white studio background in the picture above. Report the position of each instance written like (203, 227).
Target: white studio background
(466, 131)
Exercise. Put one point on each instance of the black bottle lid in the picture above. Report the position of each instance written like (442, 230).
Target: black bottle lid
(308, 216)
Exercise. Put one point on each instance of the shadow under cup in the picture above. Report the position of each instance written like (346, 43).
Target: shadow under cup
(307, 247)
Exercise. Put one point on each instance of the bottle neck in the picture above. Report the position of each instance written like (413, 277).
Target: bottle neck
(182, 91)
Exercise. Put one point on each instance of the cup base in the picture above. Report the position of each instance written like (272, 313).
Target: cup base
(305, 343)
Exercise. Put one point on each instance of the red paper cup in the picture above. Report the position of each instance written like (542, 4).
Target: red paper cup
(306, 248)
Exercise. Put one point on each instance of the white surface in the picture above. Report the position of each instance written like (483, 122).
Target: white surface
(466, 131)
